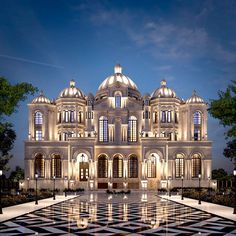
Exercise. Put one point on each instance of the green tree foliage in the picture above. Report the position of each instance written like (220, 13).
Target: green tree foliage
(230, 151)
(224, 109)
(10, 96)
(219, 174)
(17, 174)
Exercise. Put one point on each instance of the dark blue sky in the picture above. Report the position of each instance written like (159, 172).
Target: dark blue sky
(192, 44)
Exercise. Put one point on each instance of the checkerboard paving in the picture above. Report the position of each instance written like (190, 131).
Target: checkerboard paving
(103, 214)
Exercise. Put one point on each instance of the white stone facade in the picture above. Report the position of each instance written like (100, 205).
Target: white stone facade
(118, 138)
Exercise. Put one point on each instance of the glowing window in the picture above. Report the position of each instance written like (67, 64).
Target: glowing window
(56, 166)
(102, 166)
(103, 129)
(117, 167)
(179, 166)
(197, 118)
(196, 165)
(133, 167)
(132, 129)
(38, 135)
(39, 165)
(38, 118)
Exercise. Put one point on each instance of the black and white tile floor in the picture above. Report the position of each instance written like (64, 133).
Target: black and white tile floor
(102, 214)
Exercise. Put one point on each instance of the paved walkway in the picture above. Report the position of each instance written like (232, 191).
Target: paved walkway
(21, 209)
(223, 211)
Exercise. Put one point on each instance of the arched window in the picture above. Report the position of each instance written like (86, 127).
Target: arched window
(132, 129)
(56, 166)
(39, 165)
(197, 121)
(151, 166)
(196, 165)
(38, 118)
(197, 118)
(117, 167)
(133, 166)
(103, 129)
(166, 117)
(117, 99)
(179, 165)
(102, 166)
(38, 122)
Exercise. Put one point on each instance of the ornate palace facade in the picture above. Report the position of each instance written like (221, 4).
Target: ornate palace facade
(118, 138)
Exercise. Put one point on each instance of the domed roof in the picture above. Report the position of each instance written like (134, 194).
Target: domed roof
(195, 98)
(72, 92)
(41, 99)
(163, 92)
(117, 78)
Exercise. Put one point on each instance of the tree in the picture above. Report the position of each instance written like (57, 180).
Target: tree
(224, 109)
(10, 96)
(230, 151)
(17, 174)
(219, 174)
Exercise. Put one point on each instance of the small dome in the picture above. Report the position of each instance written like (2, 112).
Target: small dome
(118, 77)
(41, 99)
(195, 98)
(71, 92)
(163, 92)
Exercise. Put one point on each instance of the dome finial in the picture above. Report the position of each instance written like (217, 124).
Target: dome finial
(72, 83)
(41, 93)
(118, 69)
(194, 92)
(163, 83)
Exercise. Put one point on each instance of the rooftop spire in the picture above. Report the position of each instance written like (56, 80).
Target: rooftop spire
(163, 83)
(118, 69)
(72, 83)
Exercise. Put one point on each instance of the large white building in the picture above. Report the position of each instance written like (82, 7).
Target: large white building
(118, 138)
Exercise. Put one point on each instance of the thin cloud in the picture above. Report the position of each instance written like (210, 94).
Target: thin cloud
(30, 61)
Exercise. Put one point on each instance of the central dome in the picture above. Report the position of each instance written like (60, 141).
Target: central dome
(117, 78)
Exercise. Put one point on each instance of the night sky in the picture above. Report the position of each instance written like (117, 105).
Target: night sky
(192, 44)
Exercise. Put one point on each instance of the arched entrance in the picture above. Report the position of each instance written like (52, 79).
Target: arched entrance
(83, 162)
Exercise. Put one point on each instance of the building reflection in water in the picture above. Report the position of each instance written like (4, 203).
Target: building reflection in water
(109, 212)
(152, 213)
(125, 212)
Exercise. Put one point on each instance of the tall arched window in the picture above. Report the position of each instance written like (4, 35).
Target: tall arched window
(102, 166)
(38, 122)
(103, 129)
(118, 99)
(39, 165)
(56, 166)
(196, 165)
(132, 129)
(117, 167)
(133, 166)
(179, 165)
(151, 166)
(38, 118)
(197, 121)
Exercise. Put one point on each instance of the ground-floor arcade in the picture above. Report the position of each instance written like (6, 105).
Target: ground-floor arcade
(149, 165)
